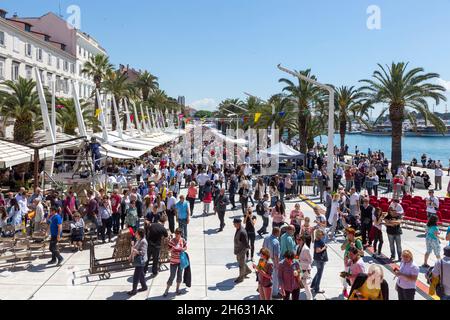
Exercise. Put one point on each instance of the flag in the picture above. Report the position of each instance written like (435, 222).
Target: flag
(282, 114)
(257, 117)
(98, 112)
(59, 106)
(181, 116)
(132, 118)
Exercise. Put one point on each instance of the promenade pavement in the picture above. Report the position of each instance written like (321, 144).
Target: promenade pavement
(213, 264)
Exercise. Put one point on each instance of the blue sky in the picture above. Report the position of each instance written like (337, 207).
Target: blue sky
(209, 50)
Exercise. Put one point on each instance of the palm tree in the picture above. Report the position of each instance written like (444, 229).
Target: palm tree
(97, 68)
(404, 90)
(115, 83)
(146, 83)
(348, 105)
(304, 95)
(21, 102)
(66, 116)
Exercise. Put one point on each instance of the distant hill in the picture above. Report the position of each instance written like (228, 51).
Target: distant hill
(443, 116)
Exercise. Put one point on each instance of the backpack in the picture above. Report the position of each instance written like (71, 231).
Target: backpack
(440, 290)
(260, 208)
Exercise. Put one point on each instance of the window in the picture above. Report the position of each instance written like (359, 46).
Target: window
(28, 28)
(15, 71)
(28, 72)
(39, 54)
(28, 49)
(66, 65)
(58, 83)
(41, 74)
(2, 68)
(79, 50)
(58, 63)
(49, 79)
(72, 68)
(49, 59)
(2, 38)
(16, 44)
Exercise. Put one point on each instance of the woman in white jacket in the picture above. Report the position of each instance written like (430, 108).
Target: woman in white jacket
(305, 260)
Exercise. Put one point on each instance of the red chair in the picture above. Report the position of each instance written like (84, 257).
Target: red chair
(384, 199)
(422, 217)
(407, 197)
(384, 207)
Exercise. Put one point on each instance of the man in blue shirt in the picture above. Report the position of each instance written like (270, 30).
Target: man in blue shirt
(273, 245)
(300, 180)
(183, 214)
(55, 222)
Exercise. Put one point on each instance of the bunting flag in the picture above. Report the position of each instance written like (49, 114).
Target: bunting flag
(98, 112)
(59, 106)
(132, 117)
(257, 117)
(181, 116)
(282, 114)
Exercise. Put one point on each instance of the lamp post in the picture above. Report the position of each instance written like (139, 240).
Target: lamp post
(231, 115)
(330, 167)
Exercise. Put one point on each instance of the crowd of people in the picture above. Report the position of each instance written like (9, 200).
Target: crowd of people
(147, 199)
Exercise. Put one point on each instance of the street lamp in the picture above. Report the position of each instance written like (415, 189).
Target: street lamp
(330, 168)
(231, 115)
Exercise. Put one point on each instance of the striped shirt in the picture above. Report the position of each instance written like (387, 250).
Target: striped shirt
(176, 247)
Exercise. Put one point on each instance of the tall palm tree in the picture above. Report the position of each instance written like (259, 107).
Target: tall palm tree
(21, 102)
(116, 83)
(146, 83)
(403, 90)
(97, 68)
(304, 95)
(348, 105)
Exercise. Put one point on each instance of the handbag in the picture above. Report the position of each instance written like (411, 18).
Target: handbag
(440, 290)
(184, 260)
(138, 261)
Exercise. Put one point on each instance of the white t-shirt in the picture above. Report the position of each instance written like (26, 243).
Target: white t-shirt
(397, 207)
(202, 179)
(354, 198)
(334, 212)
(438, 172)
(321, 219)
(430, 207)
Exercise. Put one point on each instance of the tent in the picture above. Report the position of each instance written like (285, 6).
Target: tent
(12, 154)
(283, 151)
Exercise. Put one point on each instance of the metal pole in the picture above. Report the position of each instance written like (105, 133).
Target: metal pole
(36, 169)
(330, 167)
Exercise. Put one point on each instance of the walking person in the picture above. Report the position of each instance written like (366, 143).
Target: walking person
(139, 258)
(305, 259)
(192, 196)
(154, 235)
(264, 271)
(176, 246)
(289, 277)
(440, 276)
(244, 193)
(221, 207)
(249, 222)
(106, 216)
(278, 215)
(55, 222)
(207, 197)
(232, 190)
(320, 259)
(432, 240)
(272, 243)
(367, 212)
(240, 250)
(171, 212)
(407, 276)
(263, 210)
(116, 210)
(393, 222)
(438, 174)
(377, 232)
(183, 216)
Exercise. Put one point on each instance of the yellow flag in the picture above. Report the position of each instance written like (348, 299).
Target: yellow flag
(257, 117)
(98, 112)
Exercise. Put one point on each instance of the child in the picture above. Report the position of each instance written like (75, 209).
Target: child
(307, 231)
(207, 197)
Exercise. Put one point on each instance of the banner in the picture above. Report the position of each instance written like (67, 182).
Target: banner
(257, 117)
(98, 112)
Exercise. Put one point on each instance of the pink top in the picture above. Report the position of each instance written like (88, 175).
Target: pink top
(355, 270)
(296, 215)
(277, 217)
(192, 193)
(176, 247)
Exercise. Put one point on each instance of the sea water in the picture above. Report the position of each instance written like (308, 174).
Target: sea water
(436, 148)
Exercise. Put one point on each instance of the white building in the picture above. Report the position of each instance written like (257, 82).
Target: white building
(22, 48)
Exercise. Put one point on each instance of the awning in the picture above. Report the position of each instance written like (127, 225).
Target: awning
(109, 151)
(283, 151)
(40, 138)
(12, 154)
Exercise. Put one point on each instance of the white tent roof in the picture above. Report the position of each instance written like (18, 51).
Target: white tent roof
(116, 153)
(40, 138)
(12, 154)
(283, 150)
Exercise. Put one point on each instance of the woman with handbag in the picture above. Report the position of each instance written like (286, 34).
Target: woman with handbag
(139, 258)
(177, 245)
(77, 231)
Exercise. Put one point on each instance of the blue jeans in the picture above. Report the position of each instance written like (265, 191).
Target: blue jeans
(447, 298)
(397, 241)
(315, 285)
(275, 288)
(182, 224)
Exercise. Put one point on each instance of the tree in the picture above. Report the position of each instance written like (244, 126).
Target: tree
(115, 83)
(304, 96)
(403, 90)
(21, 102)
(203, 114)
(97, 68)
(146, 83)
(348, 105)
(66, 116)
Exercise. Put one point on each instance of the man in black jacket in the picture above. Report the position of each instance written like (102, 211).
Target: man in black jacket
(240, 250)
(221, 206)
(367, 212)
(233, 188)
(155, 232)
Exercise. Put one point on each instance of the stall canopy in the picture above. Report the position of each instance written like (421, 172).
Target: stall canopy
(12, 154)
(107, 150)
(41, 139)
(283, 151)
